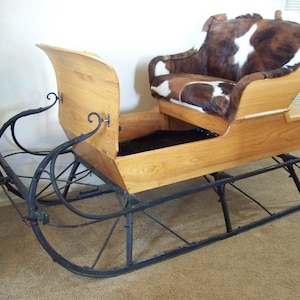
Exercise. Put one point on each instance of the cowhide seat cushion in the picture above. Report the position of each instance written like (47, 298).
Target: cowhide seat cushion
(212, 75)
(204, 93)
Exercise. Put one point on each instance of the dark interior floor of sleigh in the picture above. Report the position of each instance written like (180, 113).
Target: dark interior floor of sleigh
(162, 139)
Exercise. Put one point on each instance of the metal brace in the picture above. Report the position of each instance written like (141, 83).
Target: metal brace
(39, 215)
(107, 120)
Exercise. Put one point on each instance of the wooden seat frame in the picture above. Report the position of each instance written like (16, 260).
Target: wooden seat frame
(89, 84)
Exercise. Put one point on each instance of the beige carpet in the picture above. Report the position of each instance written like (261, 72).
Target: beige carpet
(263, 263)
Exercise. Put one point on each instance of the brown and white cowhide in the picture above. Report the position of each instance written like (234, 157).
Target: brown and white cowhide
(206, 77)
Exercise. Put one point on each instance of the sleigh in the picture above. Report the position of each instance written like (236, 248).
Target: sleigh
(217, 110)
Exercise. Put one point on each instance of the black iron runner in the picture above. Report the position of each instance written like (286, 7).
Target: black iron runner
(92, 227)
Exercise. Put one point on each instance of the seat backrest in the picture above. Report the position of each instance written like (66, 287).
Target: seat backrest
(233, 48)
(249, 44)
(87, 84)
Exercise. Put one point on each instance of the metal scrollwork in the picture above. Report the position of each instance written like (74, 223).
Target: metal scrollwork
(12, 123)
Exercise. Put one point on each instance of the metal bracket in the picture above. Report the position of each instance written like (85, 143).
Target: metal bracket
(107, 120)
(38, 215)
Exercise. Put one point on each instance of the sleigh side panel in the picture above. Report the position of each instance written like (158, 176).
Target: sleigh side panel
(246, 141)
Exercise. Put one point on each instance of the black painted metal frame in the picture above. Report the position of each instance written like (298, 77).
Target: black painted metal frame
(129, 205)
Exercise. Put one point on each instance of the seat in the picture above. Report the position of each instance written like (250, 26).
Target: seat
(227, 74)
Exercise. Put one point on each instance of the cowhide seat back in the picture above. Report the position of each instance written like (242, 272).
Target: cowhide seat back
(230, 54)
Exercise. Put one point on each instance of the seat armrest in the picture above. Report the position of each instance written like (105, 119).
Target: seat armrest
(266, 95)
(210, 122)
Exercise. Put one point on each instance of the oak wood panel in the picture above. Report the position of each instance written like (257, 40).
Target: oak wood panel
(87, 84)
(139, 124)
(246, 141)
(99, 161)
(192, 116)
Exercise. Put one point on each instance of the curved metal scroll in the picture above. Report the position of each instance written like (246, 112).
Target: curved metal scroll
(51, 157)
(12, 123)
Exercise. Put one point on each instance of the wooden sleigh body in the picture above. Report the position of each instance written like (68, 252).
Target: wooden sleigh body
(115, 147)
(266, 125)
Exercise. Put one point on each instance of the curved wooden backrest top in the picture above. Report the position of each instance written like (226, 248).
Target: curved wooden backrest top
(86, 84)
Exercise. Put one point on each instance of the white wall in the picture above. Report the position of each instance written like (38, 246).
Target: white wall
(125, 33)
